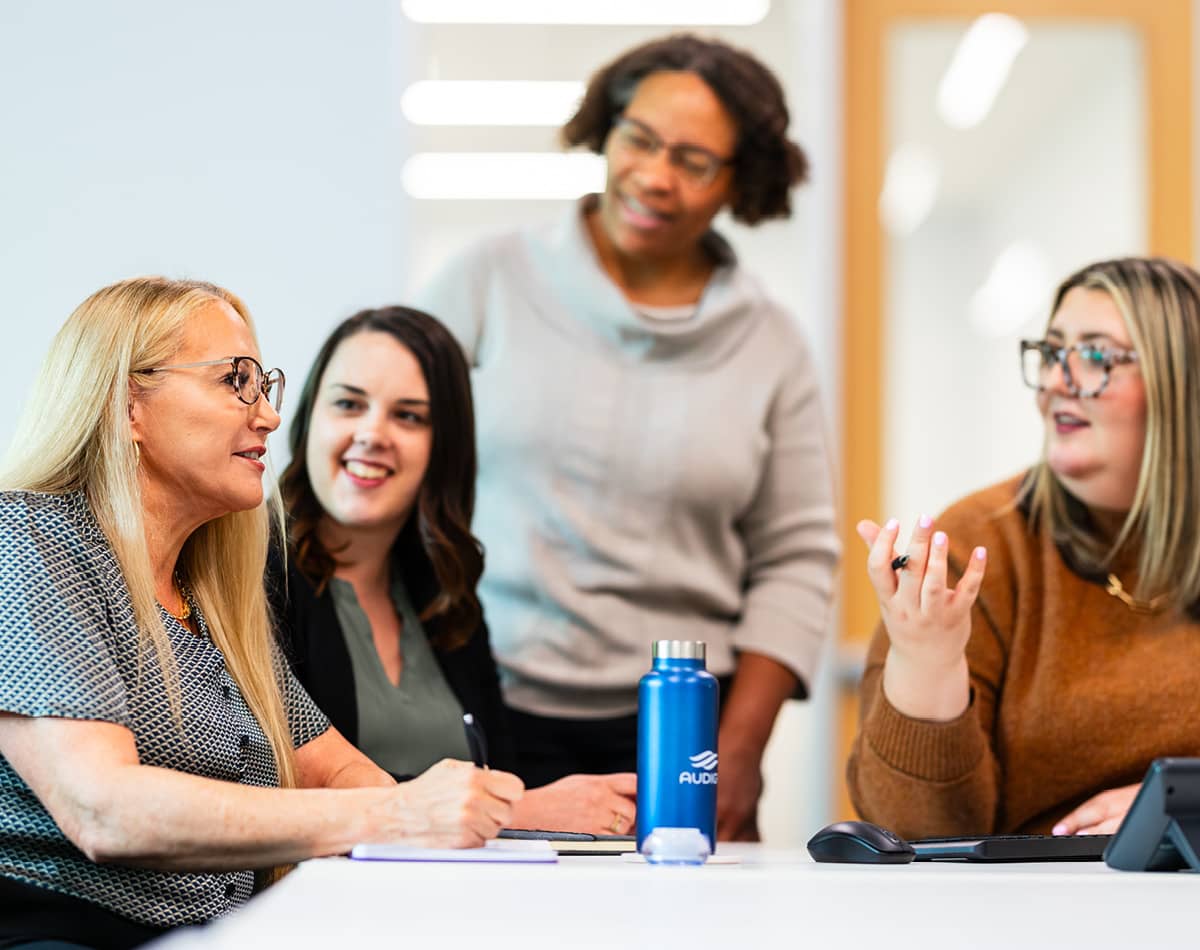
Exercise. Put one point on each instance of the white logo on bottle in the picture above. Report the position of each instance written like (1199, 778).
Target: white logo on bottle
(703, 771)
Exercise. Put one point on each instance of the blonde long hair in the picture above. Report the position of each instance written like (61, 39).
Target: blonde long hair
(1159, 300)
(75, 435)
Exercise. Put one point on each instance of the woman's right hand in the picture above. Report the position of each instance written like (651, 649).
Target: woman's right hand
(928, 622)
(452, 804)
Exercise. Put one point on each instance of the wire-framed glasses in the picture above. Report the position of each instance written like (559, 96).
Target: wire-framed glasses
(696, 165)
(246, 375)
(1086, 367)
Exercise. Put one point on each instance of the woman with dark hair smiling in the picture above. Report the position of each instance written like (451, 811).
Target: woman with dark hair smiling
(653, 458)
(378, 612)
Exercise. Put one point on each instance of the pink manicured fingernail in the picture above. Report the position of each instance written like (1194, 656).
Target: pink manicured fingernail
(925, 521)
(980, 554)
(939, 539)
(892, 525)
(1059, 829)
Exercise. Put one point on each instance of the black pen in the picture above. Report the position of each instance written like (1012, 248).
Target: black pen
(475, 741)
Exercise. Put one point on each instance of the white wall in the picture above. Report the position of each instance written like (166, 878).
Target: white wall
(802, 760)
(253, 144)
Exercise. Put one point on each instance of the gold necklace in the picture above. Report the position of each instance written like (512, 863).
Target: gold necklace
(1117, 590)
(185, 605)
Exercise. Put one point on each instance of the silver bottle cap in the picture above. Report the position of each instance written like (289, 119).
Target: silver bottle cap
(678, 650)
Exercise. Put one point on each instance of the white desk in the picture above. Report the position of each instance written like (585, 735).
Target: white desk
(774, 898)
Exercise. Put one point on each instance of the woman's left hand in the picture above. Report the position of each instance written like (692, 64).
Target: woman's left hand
(596, 804)
(1099, 815)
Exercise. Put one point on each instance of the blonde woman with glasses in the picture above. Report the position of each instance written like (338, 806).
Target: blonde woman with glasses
(1040, 643)
(154, 750)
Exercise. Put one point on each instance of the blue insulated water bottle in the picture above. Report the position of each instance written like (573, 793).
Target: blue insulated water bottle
(677, 742)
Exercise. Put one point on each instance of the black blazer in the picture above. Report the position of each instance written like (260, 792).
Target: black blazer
(312, 639)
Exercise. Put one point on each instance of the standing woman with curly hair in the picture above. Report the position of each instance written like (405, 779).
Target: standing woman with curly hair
(653, 462)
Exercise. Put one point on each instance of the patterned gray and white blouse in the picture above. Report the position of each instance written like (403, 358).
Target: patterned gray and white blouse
(69, 648)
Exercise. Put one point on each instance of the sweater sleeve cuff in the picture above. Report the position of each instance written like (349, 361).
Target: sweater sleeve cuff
(923, 748)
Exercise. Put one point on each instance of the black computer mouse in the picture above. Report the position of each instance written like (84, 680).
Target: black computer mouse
(859, 842)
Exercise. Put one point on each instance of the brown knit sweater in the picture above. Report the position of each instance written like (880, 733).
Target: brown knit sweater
(1072, 693)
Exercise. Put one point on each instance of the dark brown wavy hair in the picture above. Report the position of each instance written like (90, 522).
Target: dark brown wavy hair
(766, 164)
(435, 549)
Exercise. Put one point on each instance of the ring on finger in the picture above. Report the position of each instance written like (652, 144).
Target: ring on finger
(900, 563)
(618, 823)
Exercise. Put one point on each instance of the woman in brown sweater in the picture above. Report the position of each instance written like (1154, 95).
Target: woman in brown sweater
(1041, 645)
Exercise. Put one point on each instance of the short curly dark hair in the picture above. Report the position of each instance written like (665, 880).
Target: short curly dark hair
(766, 164)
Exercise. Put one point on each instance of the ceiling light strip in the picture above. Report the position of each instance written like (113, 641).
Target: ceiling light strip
(590, 12)
(490, 102)
(502, 176)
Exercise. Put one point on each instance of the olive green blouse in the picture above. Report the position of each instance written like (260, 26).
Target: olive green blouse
(408, 727)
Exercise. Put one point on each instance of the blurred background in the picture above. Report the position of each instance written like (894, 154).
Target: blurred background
(317, 158)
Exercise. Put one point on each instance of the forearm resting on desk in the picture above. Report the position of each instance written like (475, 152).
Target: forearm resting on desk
(114, 809)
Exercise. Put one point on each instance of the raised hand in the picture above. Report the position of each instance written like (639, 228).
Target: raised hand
(451, 805)
(928, 622)
(597, 804)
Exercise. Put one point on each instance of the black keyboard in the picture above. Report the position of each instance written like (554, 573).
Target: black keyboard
(1012, 848)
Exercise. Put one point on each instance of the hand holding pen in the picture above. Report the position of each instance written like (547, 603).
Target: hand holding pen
(475, 741)
(451, 804)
